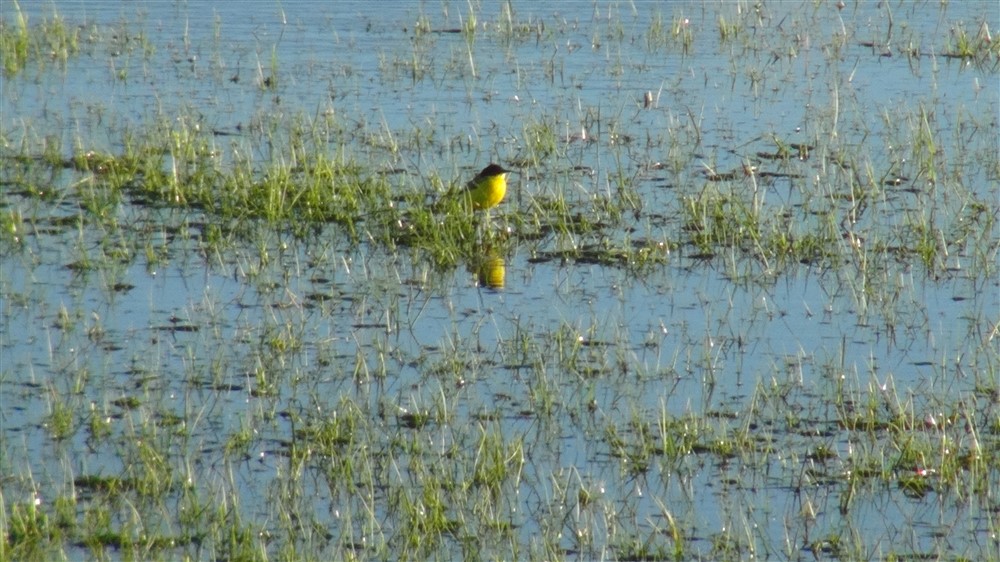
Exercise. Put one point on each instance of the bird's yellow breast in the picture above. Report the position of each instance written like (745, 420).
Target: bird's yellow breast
(486, 192)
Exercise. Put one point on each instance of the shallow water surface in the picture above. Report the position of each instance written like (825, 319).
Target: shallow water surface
(661, 377)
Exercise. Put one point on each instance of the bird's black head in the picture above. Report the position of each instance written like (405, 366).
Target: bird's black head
(493, 170)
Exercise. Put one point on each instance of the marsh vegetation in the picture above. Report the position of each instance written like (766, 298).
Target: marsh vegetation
(741, 301)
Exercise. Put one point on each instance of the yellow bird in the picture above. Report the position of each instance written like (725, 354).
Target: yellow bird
(487, 189)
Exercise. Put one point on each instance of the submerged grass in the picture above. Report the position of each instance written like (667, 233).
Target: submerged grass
(320, 421)
(23, 43)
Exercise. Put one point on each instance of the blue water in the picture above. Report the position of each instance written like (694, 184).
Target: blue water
(695, 336)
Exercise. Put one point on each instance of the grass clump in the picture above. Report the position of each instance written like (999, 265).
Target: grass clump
(23, 43)
(676, 34)
(977, 46)
(30, 532)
